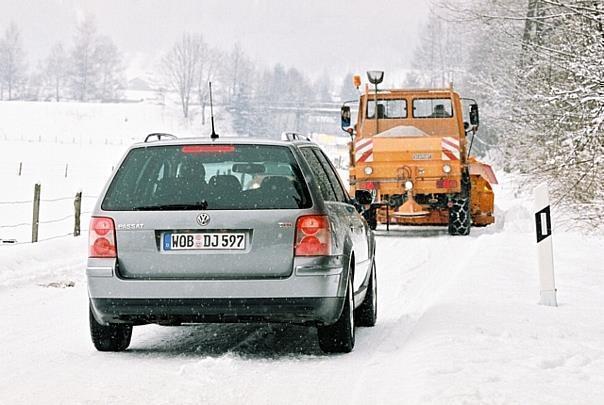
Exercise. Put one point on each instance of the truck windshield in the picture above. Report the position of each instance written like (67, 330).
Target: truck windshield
(432, 108)
(387, 109)
(212, 177)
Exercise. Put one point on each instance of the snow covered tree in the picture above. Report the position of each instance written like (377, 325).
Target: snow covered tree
(96, 67)
(322, 88)
(84, 74)
(536, 68)
(55, 70)
(236, 72)
(180, 68)
(12, 62)
(347, 90)
(110, 67)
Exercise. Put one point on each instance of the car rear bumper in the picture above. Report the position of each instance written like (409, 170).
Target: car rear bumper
(189, 310)
(313, 293)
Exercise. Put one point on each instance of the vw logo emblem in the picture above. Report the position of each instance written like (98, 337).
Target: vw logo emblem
(203, 219)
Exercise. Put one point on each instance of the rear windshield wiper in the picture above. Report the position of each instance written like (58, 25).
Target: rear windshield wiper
(203, 205)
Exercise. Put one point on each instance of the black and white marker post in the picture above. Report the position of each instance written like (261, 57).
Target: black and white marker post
(545, 257)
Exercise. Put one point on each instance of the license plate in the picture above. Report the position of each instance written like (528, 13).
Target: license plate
(204, 241)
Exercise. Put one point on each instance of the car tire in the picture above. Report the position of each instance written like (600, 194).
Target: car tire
(339, 337)
(366, 313)
(109, 338)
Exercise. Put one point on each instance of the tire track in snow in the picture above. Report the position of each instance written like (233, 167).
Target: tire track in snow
(426, 275)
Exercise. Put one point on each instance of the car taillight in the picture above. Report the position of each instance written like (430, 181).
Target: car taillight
(101, 238)
(313, 236)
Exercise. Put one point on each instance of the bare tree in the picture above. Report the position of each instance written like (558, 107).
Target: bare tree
(238, 70)
(209, 61)
(12, 64)
(180, 68)
(84, 74)
(110, 69)
(55, 70)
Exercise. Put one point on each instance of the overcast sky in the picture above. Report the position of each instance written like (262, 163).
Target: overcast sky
(330, 35)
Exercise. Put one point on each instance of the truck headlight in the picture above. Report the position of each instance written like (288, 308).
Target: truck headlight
(446, 168)
(368, 170)
(408, 185)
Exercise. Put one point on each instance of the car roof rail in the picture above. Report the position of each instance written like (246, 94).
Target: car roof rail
(159, 136)
(293, 136)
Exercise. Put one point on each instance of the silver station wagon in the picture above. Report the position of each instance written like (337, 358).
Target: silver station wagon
(190, 230)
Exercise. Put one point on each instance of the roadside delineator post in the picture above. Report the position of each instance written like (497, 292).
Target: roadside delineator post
(545, 257)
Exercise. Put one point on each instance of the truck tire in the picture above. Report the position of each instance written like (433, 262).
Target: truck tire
(370, 216)
(366, 313)
(339, 337)
(109, 338)
(459, 216)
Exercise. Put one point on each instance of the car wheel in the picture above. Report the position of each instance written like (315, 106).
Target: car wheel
(109, 338)
(339, 337)
(366, 313)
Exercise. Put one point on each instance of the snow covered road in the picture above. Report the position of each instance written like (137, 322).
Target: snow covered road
(458, 323)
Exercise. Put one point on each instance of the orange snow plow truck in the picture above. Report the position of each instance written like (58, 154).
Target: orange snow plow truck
(410, 148)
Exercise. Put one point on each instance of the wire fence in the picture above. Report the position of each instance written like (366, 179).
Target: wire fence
(28, 168)
(36, 223)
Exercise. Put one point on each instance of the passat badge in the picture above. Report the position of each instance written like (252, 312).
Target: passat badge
(203, 219)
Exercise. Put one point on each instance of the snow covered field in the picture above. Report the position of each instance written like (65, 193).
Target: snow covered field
(458, 321)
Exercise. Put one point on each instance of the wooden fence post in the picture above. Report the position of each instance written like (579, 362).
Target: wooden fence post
(77, 203)
(36, 215)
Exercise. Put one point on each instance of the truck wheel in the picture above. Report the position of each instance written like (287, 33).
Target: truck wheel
(339, 337)
(371, 217)
(109, 338)
(459, 216)
(366, 313)
(372, 223)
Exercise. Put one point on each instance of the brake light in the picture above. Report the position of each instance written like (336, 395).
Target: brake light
(446, 183)
(101, 238)
(313, 236)
(208, 149)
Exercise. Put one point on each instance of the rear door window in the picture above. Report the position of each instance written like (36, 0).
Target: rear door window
(319, 172)
(340, 194)
(212, 177)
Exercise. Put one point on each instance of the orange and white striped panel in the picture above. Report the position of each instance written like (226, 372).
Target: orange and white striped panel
(450, 148)
(363, 150)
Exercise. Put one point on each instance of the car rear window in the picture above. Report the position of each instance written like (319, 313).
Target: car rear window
(212, 177)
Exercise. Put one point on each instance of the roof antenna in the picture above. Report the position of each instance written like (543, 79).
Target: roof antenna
(213, 135)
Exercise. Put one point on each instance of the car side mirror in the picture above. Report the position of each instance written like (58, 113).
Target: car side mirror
(363, 197)
(474, 116)
(345, 117)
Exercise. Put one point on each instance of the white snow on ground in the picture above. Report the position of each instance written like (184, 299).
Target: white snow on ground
(458, 323)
